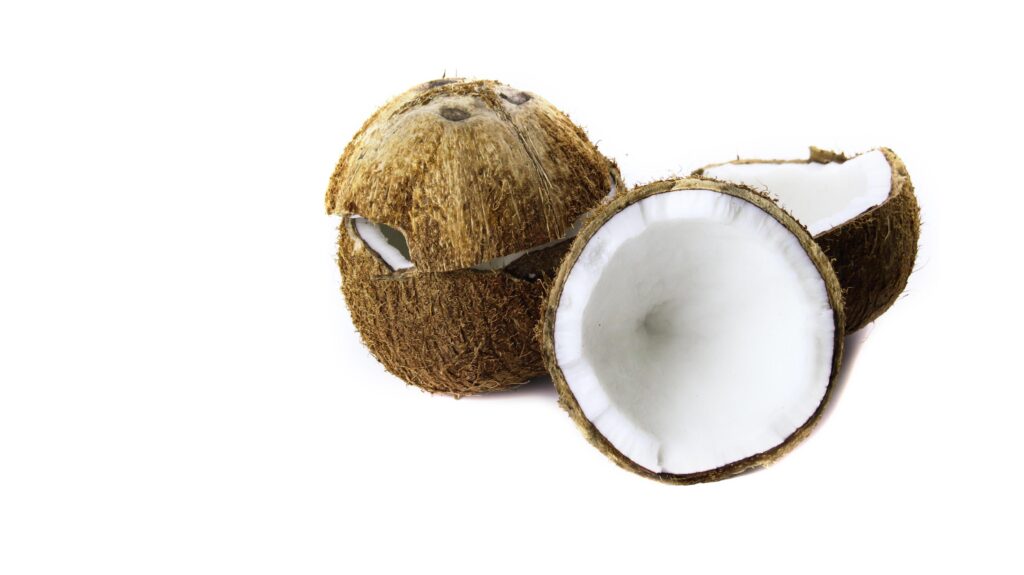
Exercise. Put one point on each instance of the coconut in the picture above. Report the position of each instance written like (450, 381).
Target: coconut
(861, 210)
(694, 330)
(458, 199)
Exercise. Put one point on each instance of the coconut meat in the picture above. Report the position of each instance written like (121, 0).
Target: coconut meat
(694, 331)
(822, 196)
(386, 241)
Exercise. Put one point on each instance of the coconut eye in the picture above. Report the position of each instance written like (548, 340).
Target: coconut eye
(387, 242)
(454, 114)
(517, 98)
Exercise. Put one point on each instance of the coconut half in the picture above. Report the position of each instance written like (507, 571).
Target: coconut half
(458, 199)
(861, 210)
(694, 330)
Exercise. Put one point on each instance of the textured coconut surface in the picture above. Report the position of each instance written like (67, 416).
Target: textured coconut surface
(873, 252)
(599, 219)
(457, 333)
(469, 171)
(472, 174)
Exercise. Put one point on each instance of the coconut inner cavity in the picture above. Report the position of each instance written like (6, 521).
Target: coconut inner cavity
(694, 331)
(822, 196)
(387, 242)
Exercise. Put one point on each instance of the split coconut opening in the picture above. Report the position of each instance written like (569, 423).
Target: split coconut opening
(390, 245)
(822, 196)
(694, 331)
(387, 242)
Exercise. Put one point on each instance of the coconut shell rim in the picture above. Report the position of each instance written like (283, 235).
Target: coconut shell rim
(597, 219)
(618, 187)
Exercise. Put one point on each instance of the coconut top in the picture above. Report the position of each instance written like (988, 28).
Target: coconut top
(469, 171)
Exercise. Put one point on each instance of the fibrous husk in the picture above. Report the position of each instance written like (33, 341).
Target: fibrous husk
(458, 333)
(594, 223)
(873, 253)
(468, 171)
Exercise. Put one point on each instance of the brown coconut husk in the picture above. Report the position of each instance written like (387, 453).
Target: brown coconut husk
(457, 333)
(468, 171)
(873, 254)
(597, 219)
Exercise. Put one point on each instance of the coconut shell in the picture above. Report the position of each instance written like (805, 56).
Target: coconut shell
(468, 171)
(873, 254)
(599, 217)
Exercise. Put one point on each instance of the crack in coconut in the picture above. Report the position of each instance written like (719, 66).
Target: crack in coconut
(861, 210)
(390, 244)
(386, 242)
(694, 330)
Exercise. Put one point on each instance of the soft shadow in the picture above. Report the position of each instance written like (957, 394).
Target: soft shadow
(851, 349)
(538, 387)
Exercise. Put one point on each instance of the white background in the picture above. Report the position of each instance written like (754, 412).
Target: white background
(181, 387)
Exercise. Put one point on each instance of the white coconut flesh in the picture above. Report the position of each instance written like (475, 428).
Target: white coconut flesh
(694, 331)
(822, 196)
(391, 246)
(387, 242)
